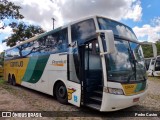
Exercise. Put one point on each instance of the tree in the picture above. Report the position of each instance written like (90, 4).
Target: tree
(21, 32)
(148, 50)
(9, 10)
(158, 48)
(1, 58)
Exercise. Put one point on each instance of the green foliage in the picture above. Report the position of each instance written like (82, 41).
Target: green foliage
(1, 58)
(148, 50)
(9, 10)
(2, 81)
(158, 48)
(21, 32)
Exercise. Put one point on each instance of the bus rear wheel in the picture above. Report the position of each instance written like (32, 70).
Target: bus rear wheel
(9, 79)
(13, 81)
(61, 93)
(152, 74)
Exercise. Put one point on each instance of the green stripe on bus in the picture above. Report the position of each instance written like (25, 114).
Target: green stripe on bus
(140, 87)
(30, 68)
(39, 68)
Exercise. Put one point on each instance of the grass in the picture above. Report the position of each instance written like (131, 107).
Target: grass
(5, 85)
(2, 82)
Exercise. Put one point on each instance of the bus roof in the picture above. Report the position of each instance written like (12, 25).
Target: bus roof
(62, 27)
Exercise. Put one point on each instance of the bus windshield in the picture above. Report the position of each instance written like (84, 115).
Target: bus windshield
(118, 29)
(127, 63)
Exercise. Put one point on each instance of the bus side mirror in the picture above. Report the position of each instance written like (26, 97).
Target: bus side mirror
(109, 38)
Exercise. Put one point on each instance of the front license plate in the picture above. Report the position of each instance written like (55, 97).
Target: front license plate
(135, 99)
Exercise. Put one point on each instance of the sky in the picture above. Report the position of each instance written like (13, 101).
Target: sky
(142, 16)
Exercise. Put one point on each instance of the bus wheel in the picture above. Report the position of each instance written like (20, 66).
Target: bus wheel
(9, 79)
(61, 93)
(152, 74)
(13, 81)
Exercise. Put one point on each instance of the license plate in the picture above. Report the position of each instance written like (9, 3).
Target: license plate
(135, 99)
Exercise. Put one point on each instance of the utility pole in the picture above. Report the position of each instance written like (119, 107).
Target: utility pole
(53, 22)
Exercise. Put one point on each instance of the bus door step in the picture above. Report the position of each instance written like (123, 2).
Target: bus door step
(94, 106)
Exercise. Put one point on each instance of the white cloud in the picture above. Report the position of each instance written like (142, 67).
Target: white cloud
(134, 12)
(151, 31)
(156, 21)
(7, 30)
(3, 47)
(41, 11)
(1, 24)
(127, 9)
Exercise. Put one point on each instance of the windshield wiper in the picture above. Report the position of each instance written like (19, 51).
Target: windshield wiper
(133, 64)
(135, 68)
(129, 77)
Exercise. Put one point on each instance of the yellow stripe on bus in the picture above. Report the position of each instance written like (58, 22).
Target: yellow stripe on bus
(17, 67)
(129, 88)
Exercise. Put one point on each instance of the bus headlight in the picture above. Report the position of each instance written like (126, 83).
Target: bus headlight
(115, 91)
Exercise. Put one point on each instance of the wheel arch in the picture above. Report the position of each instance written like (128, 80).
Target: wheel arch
(9, 75)
(13, 75)
(55, 84)
(14, 83)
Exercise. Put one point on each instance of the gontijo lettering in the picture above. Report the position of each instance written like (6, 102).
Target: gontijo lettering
(16, 64)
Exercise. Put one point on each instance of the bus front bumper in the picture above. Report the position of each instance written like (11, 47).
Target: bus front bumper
(112, 102)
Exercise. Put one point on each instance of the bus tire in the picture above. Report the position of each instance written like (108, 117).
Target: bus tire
(9, 79)
(13, 80)
(152, 74)
(61, 93)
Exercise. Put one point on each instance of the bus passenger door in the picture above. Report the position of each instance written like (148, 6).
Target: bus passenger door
(73, 83)
(151, 67)
(156, 71)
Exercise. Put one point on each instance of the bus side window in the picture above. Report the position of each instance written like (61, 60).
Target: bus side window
(63, 40)
(27, 49)
(54, 43)
(8, 54)
(59, 41)
(153, 61)
(15, 53)
(157, 66)
(83, 31)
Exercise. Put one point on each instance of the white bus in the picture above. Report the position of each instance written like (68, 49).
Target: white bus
(154, 66)
(152, 60)
(95, 62)
(147, 63)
